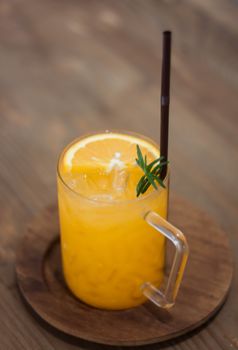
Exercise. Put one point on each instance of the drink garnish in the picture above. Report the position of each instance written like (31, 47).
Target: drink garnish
(152, 172)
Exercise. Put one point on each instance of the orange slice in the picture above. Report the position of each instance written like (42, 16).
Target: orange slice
(106, 151)
(104, 165)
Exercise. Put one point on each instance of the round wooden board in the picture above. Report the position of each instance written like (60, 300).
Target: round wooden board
(204, 288)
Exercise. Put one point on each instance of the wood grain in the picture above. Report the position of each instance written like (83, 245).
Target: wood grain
(16, 330)
(70, 67)
(204, 288)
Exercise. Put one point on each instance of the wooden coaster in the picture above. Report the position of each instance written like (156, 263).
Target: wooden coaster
(204, 288)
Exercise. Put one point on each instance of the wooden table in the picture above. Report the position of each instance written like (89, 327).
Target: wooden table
(70, 67)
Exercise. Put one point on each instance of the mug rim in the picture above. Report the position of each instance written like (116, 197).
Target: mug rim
(119, 201)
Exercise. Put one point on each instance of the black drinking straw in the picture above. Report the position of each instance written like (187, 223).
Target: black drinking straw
(165, 90)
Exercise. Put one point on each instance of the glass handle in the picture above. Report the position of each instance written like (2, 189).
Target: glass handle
(167, 298)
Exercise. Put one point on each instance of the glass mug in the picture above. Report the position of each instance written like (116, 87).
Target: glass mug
(114, 252)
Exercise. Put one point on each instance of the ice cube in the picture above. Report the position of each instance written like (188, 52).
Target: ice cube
(116, 162)
(120, 179)
(107, 197)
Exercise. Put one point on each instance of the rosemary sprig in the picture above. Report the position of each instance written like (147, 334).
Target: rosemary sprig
(151, 171)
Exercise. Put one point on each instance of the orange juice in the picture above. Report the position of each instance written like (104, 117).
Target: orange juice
(108, 250)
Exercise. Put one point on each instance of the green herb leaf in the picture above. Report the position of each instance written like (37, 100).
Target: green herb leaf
(140, 160)
(150, 166)
(151, 171)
